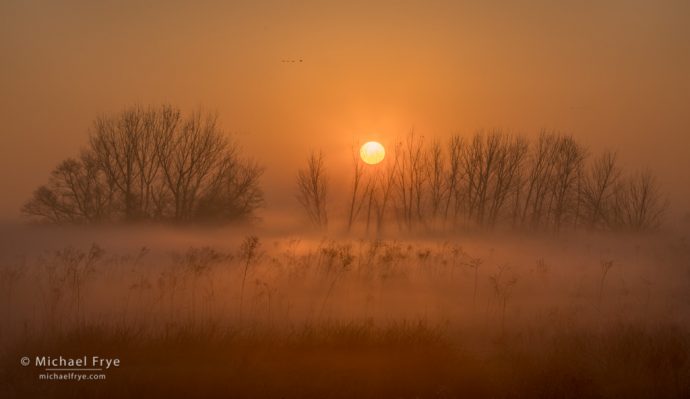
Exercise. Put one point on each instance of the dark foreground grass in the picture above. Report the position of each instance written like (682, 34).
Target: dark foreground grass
(408, 360)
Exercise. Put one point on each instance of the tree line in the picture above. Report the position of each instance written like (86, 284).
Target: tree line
(488, 180)
(151, 164)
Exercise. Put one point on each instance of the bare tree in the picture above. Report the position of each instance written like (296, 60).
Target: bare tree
(489, 175)
(496, 177)
(124, 147)
(454, 176)
(359, 193)
(379, 190)
(409, 180)
(638, 203)
(77, 192)
(489, 148)
(152, 164)
(569, 159)
(473, 164)
(599, 190)
(312, 189)
(436, 178)
(507, 174)
(234, 193)
(386, 182)
(538, 180)
(192, 161)
(115, 144)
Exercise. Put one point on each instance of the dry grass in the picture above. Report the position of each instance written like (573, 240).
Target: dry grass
(293, 318)
(403, 360)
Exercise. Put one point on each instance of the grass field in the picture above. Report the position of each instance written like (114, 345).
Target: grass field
(272, 316)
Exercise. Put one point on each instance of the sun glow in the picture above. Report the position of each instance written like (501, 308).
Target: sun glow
(372, 152)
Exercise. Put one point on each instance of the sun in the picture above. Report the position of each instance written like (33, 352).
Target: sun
(372, 152)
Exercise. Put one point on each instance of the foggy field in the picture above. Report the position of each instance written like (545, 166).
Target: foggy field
(344, 199)
(237, 313)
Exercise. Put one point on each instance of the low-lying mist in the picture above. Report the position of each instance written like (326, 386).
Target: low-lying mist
(63, 278)
(263, 312)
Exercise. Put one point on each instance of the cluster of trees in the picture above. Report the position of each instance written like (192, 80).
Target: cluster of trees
(497, 179)
(151, 164)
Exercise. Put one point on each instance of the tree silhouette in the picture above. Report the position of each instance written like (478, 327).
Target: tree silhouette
(638, 204)
(312, 189)
(496, 179)
(356, 201)
(151, 164)
(599, 190)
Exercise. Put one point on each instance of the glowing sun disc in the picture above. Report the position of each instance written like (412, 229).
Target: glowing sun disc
(372, 152)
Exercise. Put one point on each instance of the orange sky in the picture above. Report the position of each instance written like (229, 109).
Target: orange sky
(614, 73)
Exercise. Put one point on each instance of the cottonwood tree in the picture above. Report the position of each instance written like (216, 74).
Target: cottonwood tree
(360, 188)
(312, 189)
(152, 164)
(599, 189)
(540, 181)
(486, 150)
(496, 179)
(484, 176)
(488, 176)
(199, 166)
(477, 169)
(436, 178)
(77, 192)
(569, 162)
(234, 193)
(125, 149)
(454, 176)
(379, 189)
(409, 180)
(638, 203)
(507, 175)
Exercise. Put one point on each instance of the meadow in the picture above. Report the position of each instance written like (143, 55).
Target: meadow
(344, 199)
(233, 313)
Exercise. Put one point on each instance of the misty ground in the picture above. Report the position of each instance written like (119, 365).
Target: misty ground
(463, 315)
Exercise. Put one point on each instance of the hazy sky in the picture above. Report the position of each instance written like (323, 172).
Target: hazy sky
(614, 73)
